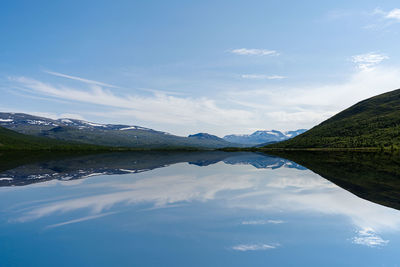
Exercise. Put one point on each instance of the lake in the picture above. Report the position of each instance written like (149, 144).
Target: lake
(199, 209)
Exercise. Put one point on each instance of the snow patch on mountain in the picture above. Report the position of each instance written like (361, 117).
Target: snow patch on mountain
(93, 124)
(262, 136)
(66, 120)
(40, 122)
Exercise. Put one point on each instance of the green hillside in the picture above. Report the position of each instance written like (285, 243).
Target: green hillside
(372, 123)
(10, 140)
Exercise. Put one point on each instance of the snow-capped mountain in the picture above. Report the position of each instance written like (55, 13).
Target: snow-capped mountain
(13, 120)
(129, 135)
(262, 136)
(86, 124)
(116, 135)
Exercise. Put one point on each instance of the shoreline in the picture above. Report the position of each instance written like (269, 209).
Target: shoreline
(186, 149)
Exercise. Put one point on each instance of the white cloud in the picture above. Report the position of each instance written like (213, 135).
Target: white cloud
(83, 219)
(261, 222)
(49, 115)
(239, 110)
(393, 14)
(263, 77)
(294, 107)
(253, 247)
(75, 78)
(368, 237)
(55, 116)
(386, 19)
(369, 60)
(254, 52)
(159, 107)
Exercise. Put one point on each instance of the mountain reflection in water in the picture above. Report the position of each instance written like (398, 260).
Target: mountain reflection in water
(71, 168)
(198, 209)
(372, 176)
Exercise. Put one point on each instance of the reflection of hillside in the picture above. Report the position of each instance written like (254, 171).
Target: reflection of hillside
(372, 176)
(44, 167)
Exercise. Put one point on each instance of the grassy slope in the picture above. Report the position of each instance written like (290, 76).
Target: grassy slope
(10, 140)
(374, 122)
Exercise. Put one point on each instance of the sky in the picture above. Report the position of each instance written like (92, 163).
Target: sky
(222, 67)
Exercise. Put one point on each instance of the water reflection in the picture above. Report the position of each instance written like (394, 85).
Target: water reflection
(268, 202)
(372, 176)
(67, 167)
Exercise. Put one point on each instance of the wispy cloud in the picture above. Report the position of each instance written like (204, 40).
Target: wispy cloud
(158, 107)
(55, 115)
(393, 14)
(315, 103)
(83, 219)
(232, 110)
(261, 222)
(75, 78)
(253, 247)
(384, 19)
(369, 238)
(254, 52)
(263, 77)
(369, 60)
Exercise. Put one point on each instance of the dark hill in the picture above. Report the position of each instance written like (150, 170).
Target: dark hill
(207, 136)
(371, 123)
(11, 140)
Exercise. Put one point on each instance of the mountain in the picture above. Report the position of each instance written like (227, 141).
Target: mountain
(212, 139)
(371, 123)
(261, 137)
(114, 135)
(11, 140)
(205, 136)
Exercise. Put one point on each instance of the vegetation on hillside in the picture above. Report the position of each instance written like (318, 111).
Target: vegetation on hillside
(372, 123)
(10, 140)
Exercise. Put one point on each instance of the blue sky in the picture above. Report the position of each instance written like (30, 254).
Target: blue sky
(208, 66)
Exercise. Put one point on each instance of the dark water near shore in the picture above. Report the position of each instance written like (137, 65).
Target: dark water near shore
(199, 209)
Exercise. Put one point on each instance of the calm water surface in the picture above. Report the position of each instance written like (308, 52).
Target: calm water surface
(204, 209)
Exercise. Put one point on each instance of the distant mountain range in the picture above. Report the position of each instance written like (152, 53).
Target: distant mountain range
(262, 137)
(371, 123)
(112, 135)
